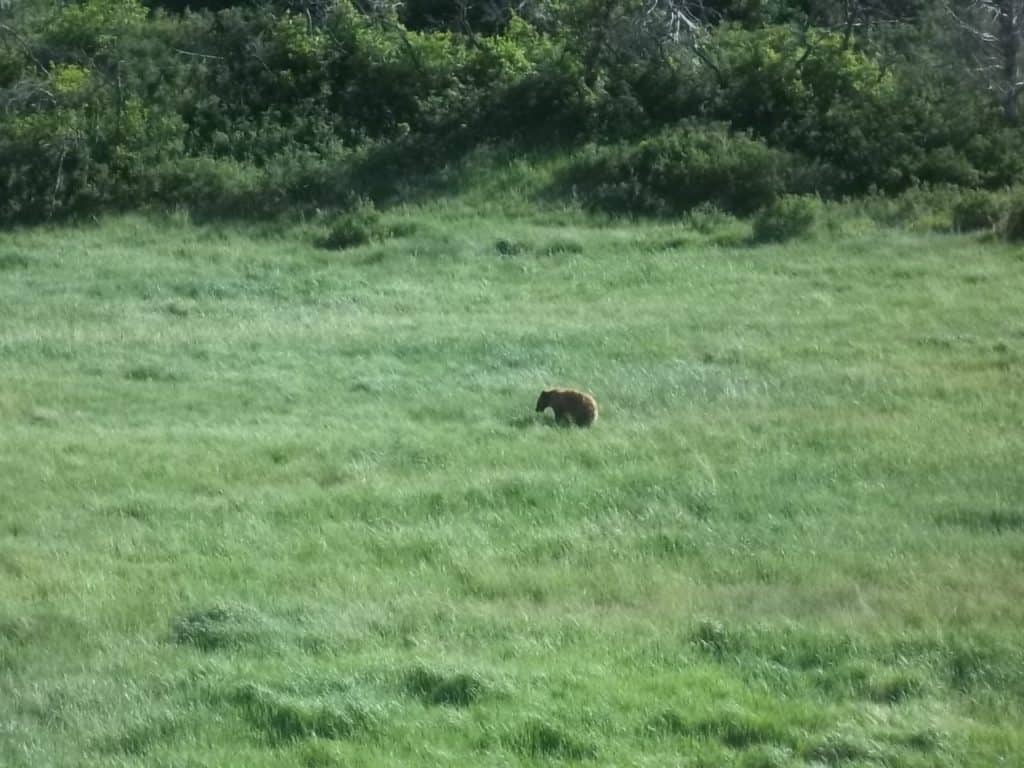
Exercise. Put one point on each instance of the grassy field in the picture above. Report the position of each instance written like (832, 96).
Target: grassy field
(263, 503)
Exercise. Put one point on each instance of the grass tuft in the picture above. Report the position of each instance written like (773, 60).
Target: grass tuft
(455, 690)
(733, 728)
(560, 246)
(220, 627)
(895, 687)
(713, 638)
(762, 756)
(844, 747)
(151, 373)
(283, 718)
(539, 739)
(506, 247)
(140, 738)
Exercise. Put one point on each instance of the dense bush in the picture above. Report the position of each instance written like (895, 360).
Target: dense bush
(682, 167)
(1014, 226)
(787, 218)
(876, 124)
(245, 106)
(297, 181)
(87, 150)
(205, 186)
(978, 210)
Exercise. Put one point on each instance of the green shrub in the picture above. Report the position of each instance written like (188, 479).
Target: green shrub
(205, 186)
(1014, 226)
(680, 168)
(303, 179)
(996, 154)
(95, 26)
(922, 208)
(79, 158)
(978, 210)
(787, 218)
(355, 227)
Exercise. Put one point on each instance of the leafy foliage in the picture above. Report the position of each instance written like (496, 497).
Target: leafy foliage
(110, 105)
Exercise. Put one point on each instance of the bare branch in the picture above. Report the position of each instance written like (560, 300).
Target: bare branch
(20, 39)
(197, 54)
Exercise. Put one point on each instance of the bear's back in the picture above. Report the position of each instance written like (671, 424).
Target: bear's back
(581, 407)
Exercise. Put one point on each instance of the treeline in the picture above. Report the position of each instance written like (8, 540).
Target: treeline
(242, 107)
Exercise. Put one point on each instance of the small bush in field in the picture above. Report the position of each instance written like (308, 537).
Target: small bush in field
(978, 210)
(788, 218)
(358, 226)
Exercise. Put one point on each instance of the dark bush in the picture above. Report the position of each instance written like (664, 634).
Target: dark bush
(1014, 226)
(996, 153)
(787, 218)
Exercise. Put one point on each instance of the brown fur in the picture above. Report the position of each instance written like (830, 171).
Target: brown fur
(570, 406)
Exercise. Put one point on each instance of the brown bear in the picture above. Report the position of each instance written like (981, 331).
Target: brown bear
(570, 406)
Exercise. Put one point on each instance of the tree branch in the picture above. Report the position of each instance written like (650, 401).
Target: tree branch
(20, 39)
(197, 54)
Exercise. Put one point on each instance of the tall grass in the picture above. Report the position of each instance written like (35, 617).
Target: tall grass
(266, 503)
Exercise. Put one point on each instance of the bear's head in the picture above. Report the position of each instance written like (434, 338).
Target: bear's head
(544, 400)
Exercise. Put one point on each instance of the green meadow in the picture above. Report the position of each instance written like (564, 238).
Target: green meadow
(265, 503)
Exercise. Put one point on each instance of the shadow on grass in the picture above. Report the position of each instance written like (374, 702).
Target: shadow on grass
(220, 627)
(983, 520)
(539, 739)
(441, 689)
(284, 718)
(541, 422)
(736, 729)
